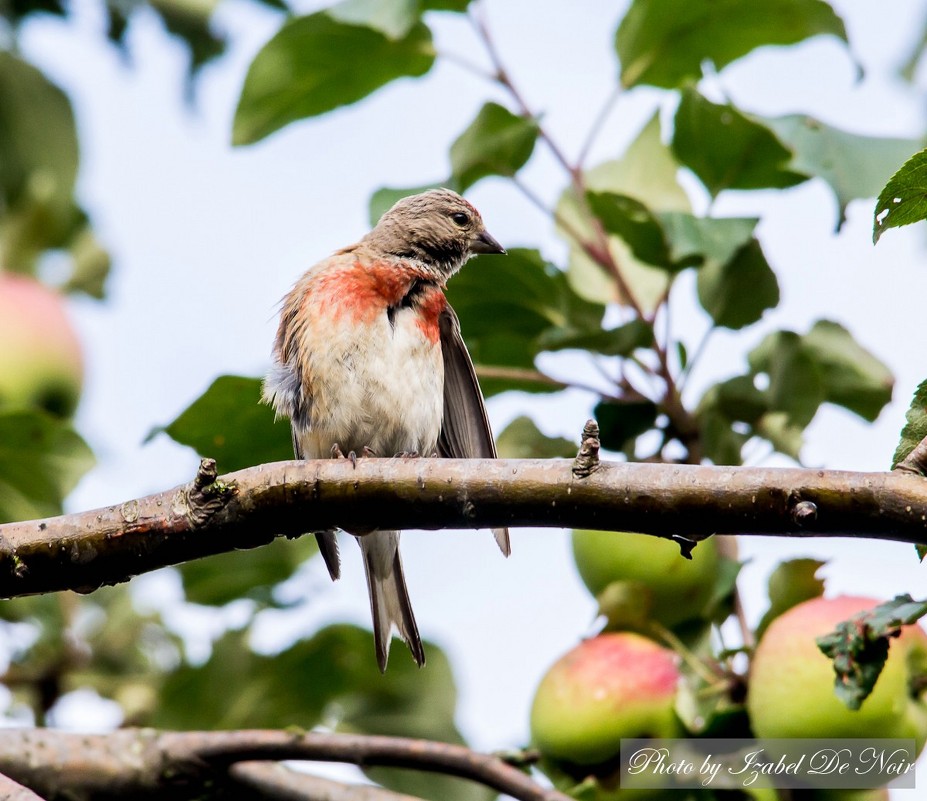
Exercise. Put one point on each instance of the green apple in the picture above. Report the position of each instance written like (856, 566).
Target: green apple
(614, 686)
(791, 683)
(680, 588)
(40, 355)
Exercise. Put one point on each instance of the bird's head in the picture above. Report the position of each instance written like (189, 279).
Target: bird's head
(437, 228)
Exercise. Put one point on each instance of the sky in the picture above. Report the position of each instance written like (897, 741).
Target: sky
(206, 239)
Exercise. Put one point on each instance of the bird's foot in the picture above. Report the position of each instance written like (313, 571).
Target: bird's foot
(407, 455)
(370, 452)
(337, 453)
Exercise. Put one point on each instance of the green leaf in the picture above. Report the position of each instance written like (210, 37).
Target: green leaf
(634, 223)
(393, 18)
(796, 385)
(311, 66)
(852, 376)
(384, 198)
(790, 584)
(38, 148)
(737, 292)
(497, 142)
(903, 200)
(621, 423)
(189, 20)
(705, 241)
(626, 604)
(854, 166)
(522, 439)
(229, 424)
(720, 443)
(665, 42)
(737, 399)
(783, 433)
(728, 150)
(859, 646)
(253, 573)
(915, 427)
(620, 341)
(460, 6)
(506, 304)
(647, 172)
(41, 460)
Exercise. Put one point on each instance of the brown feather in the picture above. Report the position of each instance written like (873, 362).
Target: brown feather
(465, 431)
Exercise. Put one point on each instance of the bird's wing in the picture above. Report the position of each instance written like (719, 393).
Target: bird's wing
(327, 540)
(465, 431)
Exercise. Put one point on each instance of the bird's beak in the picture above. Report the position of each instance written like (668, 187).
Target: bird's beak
(484, 243)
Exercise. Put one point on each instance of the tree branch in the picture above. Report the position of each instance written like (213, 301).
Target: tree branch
(146, 763)
(270, 781)
(251, 507)
(14, 791)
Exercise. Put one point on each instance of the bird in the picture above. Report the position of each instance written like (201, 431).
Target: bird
(368, 360)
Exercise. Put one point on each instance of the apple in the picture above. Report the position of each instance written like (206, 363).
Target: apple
(617, 685)
(791, 683)
(40, 356)
(680, 588)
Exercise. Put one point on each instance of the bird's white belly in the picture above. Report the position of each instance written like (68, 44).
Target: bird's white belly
(379, 387)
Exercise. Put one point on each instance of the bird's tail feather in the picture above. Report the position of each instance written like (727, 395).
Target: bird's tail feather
(389, 597)
(328, 547)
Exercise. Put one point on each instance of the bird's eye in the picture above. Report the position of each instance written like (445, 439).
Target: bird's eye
(460, 218)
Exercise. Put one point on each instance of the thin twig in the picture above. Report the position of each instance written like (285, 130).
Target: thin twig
(597, 125)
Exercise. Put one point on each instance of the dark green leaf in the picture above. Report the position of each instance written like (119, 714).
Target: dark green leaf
(796, 385)
(41, 460)
(665, 42)
(720, 443)
(522, 439)
(634, 223)
(915, 427)
(727, 150)
(620, 341)
(445, 5)
(384, 198)
(190, 21)
(903, 200)
(859, 646)
(229, 424)
(311, 66)
(393, 18)
(620, 423)
(506, 303)
(854, 166)
(719, 606)
(497, 142)
(790, 584)
(737, 292)
(852, 376)
(921, 552)
(738, 399)
(253, 573)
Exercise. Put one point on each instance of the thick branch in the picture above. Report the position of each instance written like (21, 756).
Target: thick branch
(251, 507)
(143, 763)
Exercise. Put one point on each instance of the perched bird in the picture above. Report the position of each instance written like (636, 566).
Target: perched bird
(368, 359)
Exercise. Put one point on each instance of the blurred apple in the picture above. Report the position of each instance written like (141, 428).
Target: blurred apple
(791, 686)
(680, 588)
(614, 686)
(40, 355)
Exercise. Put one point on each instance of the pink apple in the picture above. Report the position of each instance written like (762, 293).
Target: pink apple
(40, 355)
(614, 686)
(791, 687)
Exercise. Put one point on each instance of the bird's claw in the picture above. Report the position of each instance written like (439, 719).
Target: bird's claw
(407, 455)
(337, 453)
